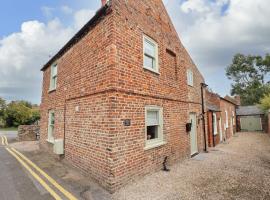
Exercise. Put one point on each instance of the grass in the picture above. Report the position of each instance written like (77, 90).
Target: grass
(9, 129)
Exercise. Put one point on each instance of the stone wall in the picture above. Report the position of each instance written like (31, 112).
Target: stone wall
(28, 132)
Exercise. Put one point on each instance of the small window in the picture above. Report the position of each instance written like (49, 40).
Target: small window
(150, 54)
(53, 81)
(154, 126)
(215, 123)
(190, 77)
(51, 126)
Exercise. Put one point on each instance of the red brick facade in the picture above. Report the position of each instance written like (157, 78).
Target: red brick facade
(219, 107)
(229, 120)
(102, 82)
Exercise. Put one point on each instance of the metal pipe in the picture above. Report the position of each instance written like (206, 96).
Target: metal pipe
(203, 85)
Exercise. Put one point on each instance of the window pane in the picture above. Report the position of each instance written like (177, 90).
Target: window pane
(152, 132)
(152, 118)
(54, 70)
(52, 118)
(149, 48)
(149, 62)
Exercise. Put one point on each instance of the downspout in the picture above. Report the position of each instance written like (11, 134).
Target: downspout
(203, 85)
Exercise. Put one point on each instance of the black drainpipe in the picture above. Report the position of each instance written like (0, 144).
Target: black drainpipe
(203, 85)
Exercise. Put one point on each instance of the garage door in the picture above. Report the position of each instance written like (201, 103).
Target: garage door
(251, 123)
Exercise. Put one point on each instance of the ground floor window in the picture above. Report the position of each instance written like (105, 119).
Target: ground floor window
(51, 126)
(154, 125)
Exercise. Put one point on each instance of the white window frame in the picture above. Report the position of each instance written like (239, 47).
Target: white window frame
(149, 144)
(156, 67)
(50, 125)
(190, 79)
(215, 123)
(53, 77)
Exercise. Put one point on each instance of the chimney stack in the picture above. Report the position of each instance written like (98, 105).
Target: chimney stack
(103, 2)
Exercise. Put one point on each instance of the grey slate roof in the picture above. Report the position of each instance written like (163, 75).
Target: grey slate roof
(249, 110)
(212, 107)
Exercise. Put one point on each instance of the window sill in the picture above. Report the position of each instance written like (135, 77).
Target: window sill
(52, 90)
(154, 145)
(191, 85)
(51, 141)
(150, 69)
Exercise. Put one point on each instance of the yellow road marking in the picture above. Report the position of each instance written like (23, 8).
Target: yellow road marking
(51, 180)
(6, 141)
(43, 183)
(2, 140)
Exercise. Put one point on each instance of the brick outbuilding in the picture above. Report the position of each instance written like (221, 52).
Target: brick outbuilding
(221, 117)
(120, 93)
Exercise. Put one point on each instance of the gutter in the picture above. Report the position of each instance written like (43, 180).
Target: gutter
(79, 35)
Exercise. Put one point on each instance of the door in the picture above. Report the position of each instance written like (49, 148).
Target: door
(251, 123)
(193, 134)
(220, 131)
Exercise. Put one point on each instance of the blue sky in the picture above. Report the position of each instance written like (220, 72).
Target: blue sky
(211, 30)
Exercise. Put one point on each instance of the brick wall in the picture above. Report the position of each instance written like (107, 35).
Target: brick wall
(101, 82)
(28, 132)
(230, 108)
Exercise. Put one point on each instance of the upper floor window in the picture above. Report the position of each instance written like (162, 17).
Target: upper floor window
(154, 126)
(53, 80)
(190, 77)
(150, 54)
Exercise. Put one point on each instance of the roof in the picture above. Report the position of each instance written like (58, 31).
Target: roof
(212, 107)
(249, 110)
(79, 35)
(230, 100)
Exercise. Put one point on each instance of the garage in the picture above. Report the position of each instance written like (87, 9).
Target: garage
(250, 118)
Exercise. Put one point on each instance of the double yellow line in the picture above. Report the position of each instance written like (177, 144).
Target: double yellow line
(33, 169)
(4, 140)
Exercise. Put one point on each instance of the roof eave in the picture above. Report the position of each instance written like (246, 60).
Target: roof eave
(83, 31)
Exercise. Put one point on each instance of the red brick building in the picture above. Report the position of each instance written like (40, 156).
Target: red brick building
(221, 117)
(120, 93)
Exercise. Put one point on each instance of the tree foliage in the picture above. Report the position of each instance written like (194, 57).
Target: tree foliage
(265, 103)
(249, 75)
(17, 113)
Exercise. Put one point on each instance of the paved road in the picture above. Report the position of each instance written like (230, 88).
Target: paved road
(15, 182)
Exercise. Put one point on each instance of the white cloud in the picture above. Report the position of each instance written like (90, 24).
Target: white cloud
(82, 16)
(23, 54)
(213, 31)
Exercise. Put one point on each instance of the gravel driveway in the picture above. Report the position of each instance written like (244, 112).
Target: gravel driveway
(239, 169)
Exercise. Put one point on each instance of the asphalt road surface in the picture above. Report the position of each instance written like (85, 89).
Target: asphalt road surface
(16, 183)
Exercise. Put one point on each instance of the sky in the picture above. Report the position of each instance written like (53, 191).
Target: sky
(211, 30)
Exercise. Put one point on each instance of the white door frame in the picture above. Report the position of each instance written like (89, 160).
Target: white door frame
(220, 130)
(193, 134)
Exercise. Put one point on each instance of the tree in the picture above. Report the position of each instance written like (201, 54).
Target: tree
(248, 74)
(265, 103)
(20, 113)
